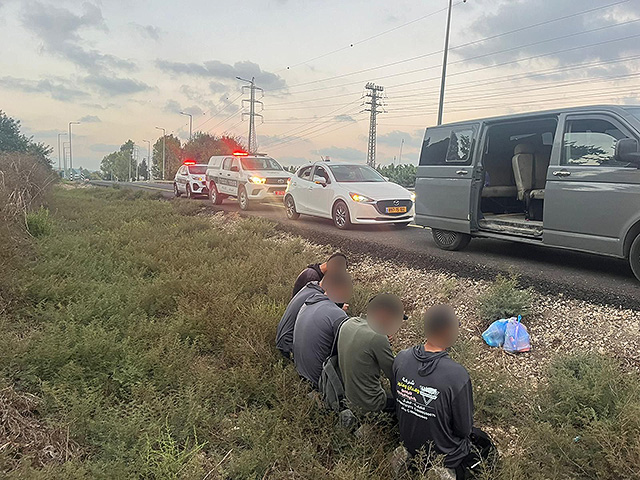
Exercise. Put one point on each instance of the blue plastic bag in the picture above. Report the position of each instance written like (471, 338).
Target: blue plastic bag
(494, 335)
(516, 337)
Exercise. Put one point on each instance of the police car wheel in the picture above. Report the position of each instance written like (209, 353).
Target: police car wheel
(448, 240)
(243, 199)
(341, 217)
(214, 195)
(290, 206)
(176, 192)
(189, 192)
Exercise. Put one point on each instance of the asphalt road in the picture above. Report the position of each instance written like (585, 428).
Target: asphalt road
(575, 275)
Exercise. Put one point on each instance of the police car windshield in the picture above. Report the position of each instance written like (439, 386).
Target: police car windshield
(197, 169)
(355, 173)
(260, 163)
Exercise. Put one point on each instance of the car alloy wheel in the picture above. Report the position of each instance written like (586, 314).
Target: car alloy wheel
(243, 200)
(291, 208)
(341, 216)
(176, 192)
(448, 240)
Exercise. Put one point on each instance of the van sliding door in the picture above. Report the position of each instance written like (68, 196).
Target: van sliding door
(444, 178)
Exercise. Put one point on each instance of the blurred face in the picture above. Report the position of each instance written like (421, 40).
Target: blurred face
(384, 322)
(339, 294)
(337, 264)
(447, 337)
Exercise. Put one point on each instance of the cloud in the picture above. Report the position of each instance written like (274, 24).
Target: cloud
(104, 147)
(113, 86)
(217, 87)
(90, 119)
(511, 15)
(344, 118)
(395, 137)
(343, 153)
(59, 29)
(173, 106)
(220, 70)
(148, 31)
(54, 89)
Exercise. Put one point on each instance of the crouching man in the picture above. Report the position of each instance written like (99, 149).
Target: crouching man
(317, 324)
(434, 399)
(364, 351)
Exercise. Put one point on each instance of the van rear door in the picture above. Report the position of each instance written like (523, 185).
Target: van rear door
(445, 176)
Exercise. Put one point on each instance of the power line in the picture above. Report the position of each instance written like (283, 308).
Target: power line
(374, 104)
(218, 112)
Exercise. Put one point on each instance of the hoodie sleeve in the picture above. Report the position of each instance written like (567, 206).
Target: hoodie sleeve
(384, 355)
(462, 411)
(306, 276)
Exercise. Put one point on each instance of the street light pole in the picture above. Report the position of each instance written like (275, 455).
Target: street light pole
(70, 151)
(190, 123)
(148, 161)
(164, 136)
(444, 63)
(65, 161)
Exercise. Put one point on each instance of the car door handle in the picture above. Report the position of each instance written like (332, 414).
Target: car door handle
(561, 173)
(461, 172)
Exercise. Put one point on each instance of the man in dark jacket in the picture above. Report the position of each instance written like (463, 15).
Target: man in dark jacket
(315, 271)
(284, 334)
(434, 398)
(317, 323)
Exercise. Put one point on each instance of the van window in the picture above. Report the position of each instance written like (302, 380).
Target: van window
(591, 143)
(444, 145)
(226, 165)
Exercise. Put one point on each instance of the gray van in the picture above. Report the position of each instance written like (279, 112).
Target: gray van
(566, 178)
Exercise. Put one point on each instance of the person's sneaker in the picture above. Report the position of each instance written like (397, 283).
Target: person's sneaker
(443, 473)
(399, 461)
(347, 418)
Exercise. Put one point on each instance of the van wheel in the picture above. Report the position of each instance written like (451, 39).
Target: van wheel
(341, 218)
(243, 199)
(290, 205)
(448, 240)
(176, 192)
(634, 257)
(214, 196)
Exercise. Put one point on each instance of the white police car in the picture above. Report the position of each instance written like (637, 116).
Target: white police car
(247, 177)
(190, 179)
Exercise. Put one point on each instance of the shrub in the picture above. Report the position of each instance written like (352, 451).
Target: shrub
(504, 300)
(39, 223)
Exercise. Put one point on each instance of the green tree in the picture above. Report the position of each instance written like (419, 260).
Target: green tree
(118, 165)
(173, 157)
(143, 170)
(404, 175)
(203, 146)
(13, 140)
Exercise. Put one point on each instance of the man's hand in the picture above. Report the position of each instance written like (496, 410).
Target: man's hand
(345, 307)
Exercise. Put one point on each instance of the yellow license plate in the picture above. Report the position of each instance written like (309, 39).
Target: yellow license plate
(396, 209)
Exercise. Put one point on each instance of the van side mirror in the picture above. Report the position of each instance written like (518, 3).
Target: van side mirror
(235, 168)
(627, 150)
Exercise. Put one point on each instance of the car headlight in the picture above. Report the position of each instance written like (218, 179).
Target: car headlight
(356, 197)
(413, 196)
(258, 180)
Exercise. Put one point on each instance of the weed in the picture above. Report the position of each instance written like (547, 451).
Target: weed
(39, 223)
(504, 300)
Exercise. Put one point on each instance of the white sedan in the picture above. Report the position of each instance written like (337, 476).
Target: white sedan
(348, 194)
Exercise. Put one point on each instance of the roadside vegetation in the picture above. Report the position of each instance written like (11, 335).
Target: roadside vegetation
(139, 344)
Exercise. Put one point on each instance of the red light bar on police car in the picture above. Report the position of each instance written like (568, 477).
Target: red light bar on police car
(240, 154)
(189, 162)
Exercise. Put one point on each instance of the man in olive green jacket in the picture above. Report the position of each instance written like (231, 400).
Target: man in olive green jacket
(364, 351)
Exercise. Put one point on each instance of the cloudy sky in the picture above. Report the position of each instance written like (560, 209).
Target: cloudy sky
(123, 67)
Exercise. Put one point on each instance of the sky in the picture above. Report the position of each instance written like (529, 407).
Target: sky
(122, 68)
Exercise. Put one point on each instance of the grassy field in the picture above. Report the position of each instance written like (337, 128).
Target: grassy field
(138, 343)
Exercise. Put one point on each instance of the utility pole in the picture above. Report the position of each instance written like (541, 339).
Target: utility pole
(190, 123)
(164, 137)
(400, 156)
(444, 62)
(148, 161)
(374, 104)
(60, 156)
(252, 141)
(70, 151)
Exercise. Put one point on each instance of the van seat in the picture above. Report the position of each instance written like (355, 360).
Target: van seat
(523, 169)
(499, 191)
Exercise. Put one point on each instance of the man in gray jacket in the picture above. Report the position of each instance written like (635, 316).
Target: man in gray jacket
(284, 334)
(364, 351)
(317, 323)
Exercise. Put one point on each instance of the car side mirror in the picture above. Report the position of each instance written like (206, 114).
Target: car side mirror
(627, 150)
(320, 181)
(235, 168)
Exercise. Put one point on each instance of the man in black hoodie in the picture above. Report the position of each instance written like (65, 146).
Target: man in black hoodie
(434, 398)
(317, 324)
(315, 271)
(284, 334)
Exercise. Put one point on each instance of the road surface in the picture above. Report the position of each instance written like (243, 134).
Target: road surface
(575, 275)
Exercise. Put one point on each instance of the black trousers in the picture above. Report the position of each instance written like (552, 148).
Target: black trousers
(483, 453)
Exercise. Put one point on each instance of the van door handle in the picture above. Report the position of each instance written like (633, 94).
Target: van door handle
(462, 172)
(561, 173)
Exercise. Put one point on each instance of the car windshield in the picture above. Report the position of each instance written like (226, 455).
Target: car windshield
(260, 163)
(355, 173)
(635, 111)
(197, 169)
